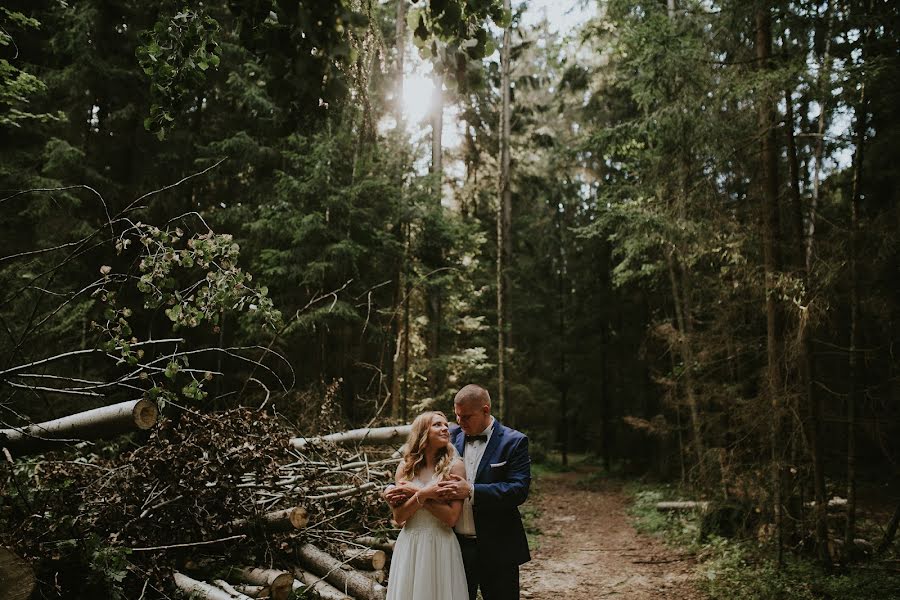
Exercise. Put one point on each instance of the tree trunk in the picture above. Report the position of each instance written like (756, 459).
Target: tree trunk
(16, 576)
(890, 531)
(771, 238)
(853, 396)
(504, 206)
(103, 422)
(366, 435)
(687, 356)
(811, 401)
(339, 575)
(321, 588)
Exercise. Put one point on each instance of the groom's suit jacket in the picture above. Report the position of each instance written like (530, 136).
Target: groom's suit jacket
(501, 485)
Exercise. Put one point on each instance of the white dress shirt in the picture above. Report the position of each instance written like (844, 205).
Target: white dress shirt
(473, 452)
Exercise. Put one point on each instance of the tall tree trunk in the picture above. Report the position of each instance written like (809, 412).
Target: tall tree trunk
(687, 356)
(853, 396)
(399, 332)
(504, 204)
(771, 258)
(433, 293)
(811, 401)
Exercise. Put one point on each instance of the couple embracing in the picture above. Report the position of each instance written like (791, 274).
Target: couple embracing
(456, 495)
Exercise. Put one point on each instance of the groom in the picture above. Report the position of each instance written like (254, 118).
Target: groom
(498, 475)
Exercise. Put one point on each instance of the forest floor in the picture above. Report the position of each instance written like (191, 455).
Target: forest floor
(587, 548)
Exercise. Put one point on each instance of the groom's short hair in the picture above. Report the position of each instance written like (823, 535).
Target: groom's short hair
(471, 394)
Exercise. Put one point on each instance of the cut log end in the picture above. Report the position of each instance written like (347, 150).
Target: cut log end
(299, 517)
(145, 413)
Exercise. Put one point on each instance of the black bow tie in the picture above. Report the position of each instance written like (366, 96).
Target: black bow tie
(476, 438)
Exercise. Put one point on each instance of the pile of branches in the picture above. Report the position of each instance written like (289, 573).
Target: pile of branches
(208, 498)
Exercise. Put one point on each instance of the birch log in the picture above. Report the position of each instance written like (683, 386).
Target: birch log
(254, 591)
(367, 435)
(280, 582)
(103, 422)
(231, 590)
(16, 577)
(320, 587)
(277, 520)
(340, 575)
(199, 589)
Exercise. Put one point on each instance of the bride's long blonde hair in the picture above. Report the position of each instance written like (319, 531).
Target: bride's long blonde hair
(417, 442)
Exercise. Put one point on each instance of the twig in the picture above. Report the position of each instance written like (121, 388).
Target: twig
(190, 544)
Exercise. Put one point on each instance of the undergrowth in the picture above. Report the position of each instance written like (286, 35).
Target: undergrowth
(732, 569)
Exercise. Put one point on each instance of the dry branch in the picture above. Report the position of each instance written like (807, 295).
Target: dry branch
(97, 423)
(339, 574)
(368, 435)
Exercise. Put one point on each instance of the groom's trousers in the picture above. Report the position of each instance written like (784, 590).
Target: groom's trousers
(498, 581)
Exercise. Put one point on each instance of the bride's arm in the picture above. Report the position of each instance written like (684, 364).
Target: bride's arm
(446, 511)
(402, 512)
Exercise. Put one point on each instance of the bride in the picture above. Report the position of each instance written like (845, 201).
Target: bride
(427, 562)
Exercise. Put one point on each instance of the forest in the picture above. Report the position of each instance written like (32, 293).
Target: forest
(664, 234)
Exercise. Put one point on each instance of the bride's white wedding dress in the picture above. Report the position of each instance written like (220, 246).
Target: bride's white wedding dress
(427, 563)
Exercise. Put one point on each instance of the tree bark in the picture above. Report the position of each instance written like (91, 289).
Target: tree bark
(373, 542)
(771, 258)
(280, 583)
(198, 589)
(339, 575)
(278, 520)
(366, 435)
(811, 401)
(103, 422)
(321, 588)
(367, 559)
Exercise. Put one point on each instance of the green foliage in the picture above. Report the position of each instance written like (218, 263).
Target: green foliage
(175, 55)
(17, 86)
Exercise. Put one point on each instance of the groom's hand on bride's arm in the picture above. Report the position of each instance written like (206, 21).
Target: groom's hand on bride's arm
(398, 494)
(454, 488)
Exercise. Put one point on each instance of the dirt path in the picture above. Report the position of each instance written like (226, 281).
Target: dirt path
(587, 549)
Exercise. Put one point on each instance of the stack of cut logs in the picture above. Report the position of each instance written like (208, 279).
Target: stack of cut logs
(306, 500)
(357, 571)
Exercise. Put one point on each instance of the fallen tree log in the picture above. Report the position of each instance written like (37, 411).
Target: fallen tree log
(682, 505)
(103, 422)
(377, 576)
(199, 589)
(254, 591)
(374, 542)
(277, 520)
(353, 491)
(280, 583)
(368, 435)
(16, 577)
(320, 587)
(340, 575)
(231, 590)
(367, 559)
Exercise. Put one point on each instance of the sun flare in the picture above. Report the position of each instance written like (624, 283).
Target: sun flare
(418, 89)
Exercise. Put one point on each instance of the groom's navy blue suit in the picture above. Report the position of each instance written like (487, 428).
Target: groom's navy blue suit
(501, 484)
